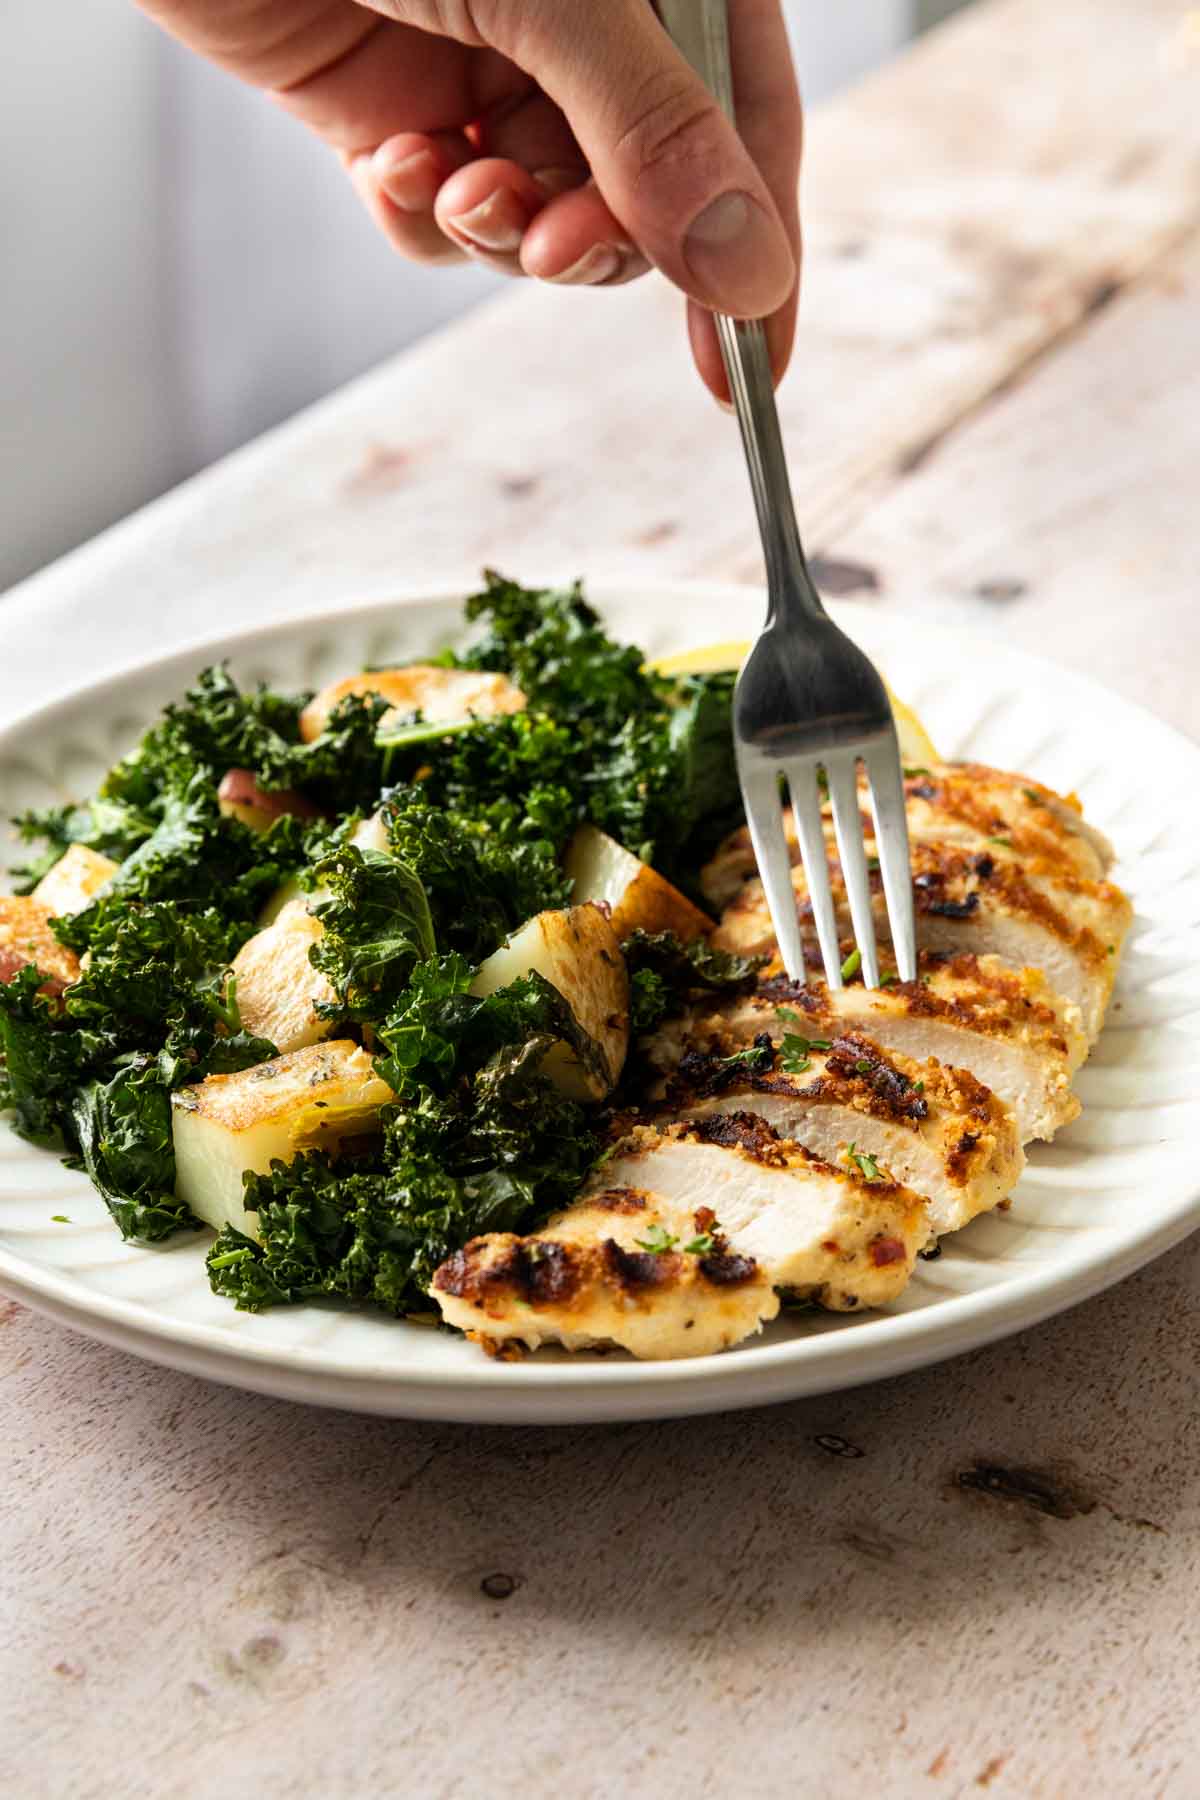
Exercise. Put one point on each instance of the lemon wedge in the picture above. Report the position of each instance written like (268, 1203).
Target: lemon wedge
(709, 659)
(916, 746)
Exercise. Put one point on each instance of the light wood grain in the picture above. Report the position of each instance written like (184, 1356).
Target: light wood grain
(205, 1593)
(1065, 517)
(964, 209)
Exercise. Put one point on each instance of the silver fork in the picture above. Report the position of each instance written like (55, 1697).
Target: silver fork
(809, 705)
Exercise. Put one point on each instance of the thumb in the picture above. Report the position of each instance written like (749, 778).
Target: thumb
(667, 161)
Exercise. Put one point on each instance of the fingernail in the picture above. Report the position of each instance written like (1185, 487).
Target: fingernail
(411, 183)
(497, 223)
(726, 406)
(739, 254)
(559, 181)
(598, 264)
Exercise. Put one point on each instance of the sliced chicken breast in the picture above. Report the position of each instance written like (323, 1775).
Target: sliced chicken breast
(983, 903)
(936, 1130)
(678, 1247)
(970, 1012)
(589, 1279)
(966, 805)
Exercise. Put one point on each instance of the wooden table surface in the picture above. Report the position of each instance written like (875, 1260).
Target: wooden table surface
(994, 417)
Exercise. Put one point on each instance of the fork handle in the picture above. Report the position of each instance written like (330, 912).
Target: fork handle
(700, 29)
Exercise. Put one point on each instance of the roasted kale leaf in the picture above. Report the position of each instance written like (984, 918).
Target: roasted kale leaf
(377, 926)
(665, 975)
(477, 819)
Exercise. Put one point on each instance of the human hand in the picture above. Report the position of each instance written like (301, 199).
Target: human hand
(563, 139)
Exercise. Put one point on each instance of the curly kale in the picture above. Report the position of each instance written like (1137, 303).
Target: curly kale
(122, 1127)
(481, 881)
(152, 1010)
(42, 1063)
(477, 815)
(159, 803)
(665, 975)
(219, 725)
(648, 758)
(377, 925)
(478, 1141)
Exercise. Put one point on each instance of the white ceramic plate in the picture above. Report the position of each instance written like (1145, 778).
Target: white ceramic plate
(1120, 1186)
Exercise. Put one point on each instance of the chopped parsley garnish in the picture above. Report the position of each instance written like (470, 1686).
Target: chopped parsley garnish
(756, 1058)
(59, 1219)
(862, 1066)
(658, 1240)
(852, 964)
(795, 1050)
(701, 1245)
(918, 770)
(889, 979)
(868, 1168)
(1005, 842)
(1034, 798)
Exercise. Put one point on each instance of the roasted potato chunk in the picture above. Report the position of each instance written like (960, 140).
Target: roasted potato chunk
(578, 953)
(420, 688)
(311, 1099)
(74, 881)
(277, 986)
(638, 898)
(26, 937)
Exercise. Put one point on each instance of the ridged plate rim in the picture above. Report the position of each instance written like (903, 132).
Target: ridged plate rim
(598, 1389)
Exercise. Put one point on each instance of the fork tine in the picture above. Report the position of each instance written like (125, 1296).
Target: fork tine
(891, 836)
(842, 774)
(801, 775)
(764, 815)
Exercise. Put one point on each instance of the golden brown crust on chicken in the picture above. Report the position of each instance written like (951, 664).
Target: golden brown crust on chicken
(976, 806)
(963, 806)
(938, 1130)
(981, 902)
(612, 1270)
(971, 1012)
(679, 1245)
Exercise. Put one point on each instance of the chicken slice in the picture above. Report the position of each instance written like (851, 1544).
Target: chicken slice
(965, 805)
(971, 1012)
(615, 1267)
(937, 1130)
(589, 1280)
(983, 903)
